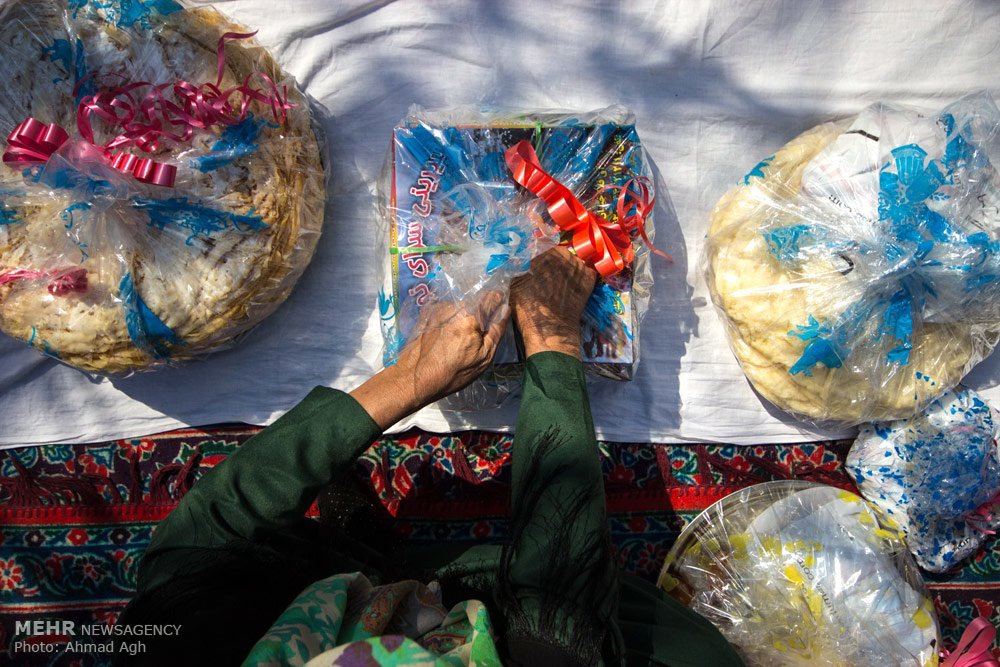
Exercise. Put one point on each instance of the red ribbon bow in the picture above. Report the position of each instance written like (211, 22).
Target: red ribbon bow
(34, 142)
(974, 647)
(605, 245)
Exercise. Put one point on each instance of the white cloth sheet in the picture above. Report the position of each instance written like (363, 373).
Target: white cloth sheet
(715, 85)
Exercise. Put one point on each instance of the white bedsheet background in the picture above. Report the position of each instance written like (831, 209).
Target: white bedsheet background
(715, 86)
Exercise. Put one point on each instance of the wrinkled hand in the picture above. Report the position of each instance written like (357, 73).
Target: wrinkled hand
(453, 344)
(548, 301)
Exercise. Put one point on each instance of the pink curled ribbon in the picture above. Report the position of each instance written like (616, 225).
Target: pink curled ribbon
(144, 121)
(604, 245)
(983, 514)
(33, 142)
(63, 282)
(175, 110)
(974, 648)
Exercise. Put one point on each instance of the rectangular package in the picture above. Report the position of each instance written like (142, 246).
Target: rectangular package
(457, 221)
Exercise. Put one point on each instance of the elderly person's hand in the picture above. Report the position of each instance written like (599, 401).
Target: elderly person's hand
(452, 345)
(549, 300)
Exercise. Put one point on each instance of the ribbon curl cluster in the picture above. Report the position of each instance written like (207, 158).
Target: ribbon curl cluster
(607, 246)
(169, 110)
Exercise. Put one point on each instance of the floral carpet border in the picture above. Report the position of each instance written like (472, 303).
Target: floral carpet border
(74, 519)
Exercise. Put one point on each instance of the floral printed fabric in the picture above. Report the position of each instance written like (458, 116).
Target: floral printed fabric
(344, 620)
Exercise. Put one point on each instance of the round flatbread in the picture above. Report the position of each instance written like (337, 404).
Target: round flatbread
(156, 274)
(844, 295)
(798, 573)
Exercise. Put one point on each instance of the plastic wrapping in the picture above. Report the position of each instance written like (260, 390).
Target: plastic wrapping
(455, 223)
(797, 573)
(108, 267)
(856, 268)
(937, 475)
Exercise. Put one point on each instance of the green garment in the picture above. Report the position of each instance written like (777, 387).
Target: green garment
(268, 484)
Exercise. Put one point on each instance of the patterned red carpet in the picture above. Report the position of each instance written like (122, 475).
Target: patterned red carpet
(74, 519)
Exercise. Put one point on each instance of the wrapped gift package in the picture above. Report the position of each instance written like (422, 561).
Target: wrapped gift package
(456, 221)
(798, 573)
(163, 187)
(856, 269)
(936, 475)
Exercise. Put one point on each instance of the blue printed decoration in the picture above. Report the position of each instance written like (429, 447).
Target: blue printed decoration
(758, 170)
(818, 350)
(785, 243)
(74, 228)
(390, 332)
(386, 306)
(915, 261)
(127, 13)
(507, 242)
(46, 348)
(604, 308)
(235, 141)
(74, 61)
(195, 218)
(87, 173)
(147, 331)
(7, 216)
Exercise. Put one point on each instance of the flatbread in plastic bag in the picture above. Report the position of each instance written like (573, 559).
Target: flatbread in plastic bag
(796, 573)
(937, 475)
(163, 186)
(857, 270)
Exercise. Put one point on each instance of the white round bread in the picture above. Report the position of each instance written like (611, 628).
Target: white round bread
(764, 301)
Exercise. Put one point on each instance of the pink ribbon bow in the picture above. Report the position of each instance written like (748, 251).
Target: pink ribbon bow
(33, 142)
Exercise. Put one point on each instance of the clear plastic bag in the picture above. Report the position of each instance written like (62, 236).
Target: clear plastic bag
(797, 573)
(856, 269)
(455, 223)
(937, 475)
(158, 199)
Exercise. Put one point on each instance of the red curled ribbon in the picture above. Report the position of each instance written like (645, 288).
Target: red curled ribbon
(643, 207)
(605, 245)
(974, 648)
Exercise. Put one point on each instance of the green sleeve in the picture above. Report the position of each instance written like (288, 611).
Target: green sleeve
(555, 400)
(561, 571)
(267, 484)
(560, 582)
